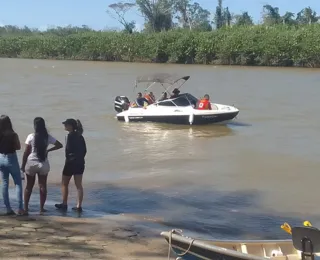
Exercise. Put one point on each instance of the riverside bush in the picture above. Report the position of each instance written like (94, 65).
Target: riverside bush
(253, 45)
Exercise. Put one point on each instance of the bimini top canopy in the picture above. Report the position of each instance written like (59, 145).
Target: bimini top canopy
(162, 78)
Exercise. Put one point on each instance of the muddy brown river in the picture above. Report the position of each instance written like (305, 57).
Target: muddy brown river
(239, 180)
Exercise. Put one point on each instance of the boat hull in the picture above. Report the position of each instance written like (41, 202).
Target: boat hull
(182, 119)
(195, 249)
(197, 253)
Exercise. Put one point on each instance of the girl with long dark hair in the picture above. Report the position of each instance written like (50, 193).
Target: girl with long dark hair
(74, 165)
(35, 161)
(9, 164)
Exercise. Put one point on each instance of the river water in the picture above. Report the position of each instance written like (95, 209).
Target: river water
(235, 181)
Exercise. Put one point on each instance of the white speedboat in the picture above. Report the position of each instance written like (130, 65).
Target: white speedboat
(178, 110)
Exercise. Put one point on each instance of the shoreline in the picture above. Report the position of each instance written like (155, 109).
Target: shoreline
(51, 237)
(216, 66)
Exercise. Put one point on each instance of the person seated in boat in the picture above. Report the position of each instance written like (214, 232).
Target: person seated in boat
(140, 101)
(164, 96)
(204, 103)
(150, 97)
(175, 93)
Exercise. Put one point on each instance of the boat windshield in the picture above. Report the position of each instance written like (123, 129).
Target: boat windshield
(191, 98)
(182, 100)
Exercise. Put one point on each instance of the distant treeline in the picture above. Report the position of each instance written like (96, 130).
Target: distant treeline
(166, 15)
(178, 31)
(259, 45)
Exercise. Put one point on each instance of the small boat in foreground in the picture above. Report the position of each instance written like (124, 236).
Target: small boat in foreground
(305, 243)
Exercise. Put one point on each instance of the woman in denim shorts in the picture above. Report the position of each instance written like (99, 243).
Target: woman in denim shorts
(35, 161)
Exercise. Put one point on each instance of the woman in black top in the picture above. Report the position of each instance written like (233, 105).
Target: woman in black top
(9, 164)
(74, 165)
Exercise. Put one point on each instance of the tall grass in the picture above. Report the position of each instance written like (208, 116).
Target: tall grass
(254, 45)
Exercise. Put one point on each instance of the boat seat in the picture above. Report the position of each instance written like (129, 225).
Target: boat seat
(306, 240)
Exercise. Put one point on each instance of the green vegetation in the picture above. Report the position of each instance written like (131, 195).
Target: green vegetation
(281, 40)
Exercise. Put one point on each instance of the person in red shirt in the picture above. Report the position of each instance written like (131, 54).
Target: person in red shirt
(204, 104)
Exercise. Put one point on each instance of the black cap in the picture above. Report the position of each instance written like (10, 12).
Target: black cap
(70, 121)
(176, 90)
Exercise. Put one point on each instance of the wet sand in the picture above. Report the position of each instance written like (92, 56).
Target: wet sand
(43, 237)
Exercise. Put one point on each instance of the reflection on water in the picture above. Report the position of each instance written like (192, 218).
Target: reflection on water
(156, 149)
(213, 131)
(167, 132)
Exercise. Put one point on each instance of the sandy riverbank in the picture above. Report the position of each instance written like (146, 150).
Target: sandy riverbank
(42, 237)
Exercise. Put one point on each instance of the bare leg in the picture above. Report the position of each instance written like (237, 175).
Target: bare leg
(28, 191)
(65, 188)
(65, 192)
(42, 180)
(78, 183)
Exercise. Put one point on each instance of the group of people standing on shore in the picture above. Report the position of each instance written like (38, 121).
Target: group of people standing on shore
(35, 162)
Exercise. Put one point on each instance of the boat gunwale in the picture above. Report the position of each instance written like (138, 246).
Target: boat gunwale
(200, 243)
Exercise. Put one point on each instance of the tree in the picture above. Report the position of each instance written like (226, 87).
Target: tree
(243, 19)
(227, 17)
(307, 16)
(218, 18)
(222, 16)
(199, 17)
(271, 15)
(192, 16)
(67, 30)
(15, 30)
(182, 8)
(120, 10)
(157, 13)
(287, 18)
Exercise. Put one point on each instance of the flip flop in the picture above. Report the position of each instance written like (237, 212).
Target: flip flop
(23, 213)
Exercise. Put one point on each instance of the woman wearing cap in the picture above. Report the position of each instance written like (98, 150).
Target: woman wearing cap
(9, 164)
(74, 165)
(35, 161)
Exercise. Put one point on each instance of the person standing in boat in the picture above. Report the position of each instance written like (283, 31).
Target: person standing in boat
(164, 96)
(76, 151)
(204, 104)
(175, 93)
(35, 161)
(9, 164)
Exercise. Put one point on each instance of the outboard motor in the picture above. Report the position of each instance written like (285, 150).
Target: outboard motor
(121, 103)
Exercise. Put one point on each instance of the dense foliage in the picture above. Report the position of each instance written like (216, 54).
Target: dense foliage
(178, 31)
(280, 45)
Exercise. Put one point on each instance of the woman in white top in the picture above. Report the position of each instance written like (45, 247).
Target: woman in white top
(35, 161)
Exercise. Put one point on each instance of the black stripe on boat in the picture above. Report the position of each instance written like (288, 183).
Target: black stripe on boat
(183, 119)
